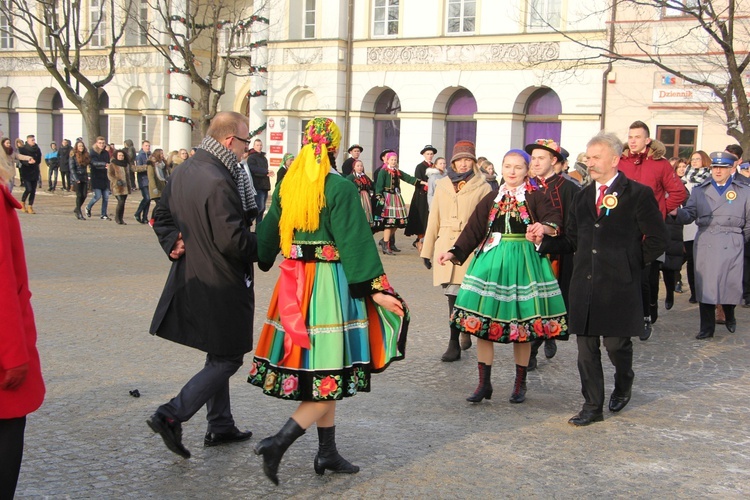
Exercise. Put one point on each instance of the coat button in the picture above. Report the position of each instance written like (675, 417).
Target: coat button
(593, 251)
(588, 277)
(596, 225)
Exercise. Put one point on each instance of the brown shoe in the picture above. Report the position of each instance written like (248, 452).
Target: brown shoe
(30, 210)
(720, 317)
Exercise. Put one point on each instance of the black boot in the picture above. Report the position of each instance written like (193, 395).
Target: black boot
(484, 389)
(393, 244)
(273, 448)
(535, 345)
(453, 353)
(519, 388)
(328, 457)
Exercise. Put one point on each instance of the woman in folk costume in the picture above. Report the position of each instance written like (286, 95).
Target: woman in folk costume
(388, 188)
(509, 293)
(334, 318)
(364, 186)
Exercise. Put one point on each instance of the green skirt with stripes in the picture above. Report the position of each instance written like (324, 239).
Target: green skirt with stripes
(510, 294)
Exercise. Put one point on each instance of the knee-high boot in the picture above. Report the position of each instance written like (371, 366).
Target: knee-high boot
(484, 389)
(328, 457)
(519, 388)
(273, 448)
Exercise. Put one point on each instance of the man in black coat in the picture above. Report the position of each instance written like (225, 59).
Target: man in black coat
(30, 172)
(258, 165)
(348, 166)
(614, 227)
(203, 224)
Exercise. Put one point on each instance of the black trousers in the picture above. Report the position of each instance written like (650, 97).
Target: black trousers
(29, 192)
(209, 387)
(120, 210)
(65, 179)
(650, 286)
(81, 193)
(690, 266)
(11, 454)
(620, 352)
(708, 315)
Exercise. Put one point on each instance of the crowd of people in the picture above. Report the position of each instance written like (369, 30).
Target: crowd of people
(526, 255)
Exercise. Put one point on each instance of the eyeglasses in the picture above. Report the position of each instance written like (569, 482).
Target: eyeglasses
(246, 141)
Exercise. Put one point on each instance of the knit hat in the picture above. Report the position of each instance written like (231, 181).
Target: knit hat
(464, 149)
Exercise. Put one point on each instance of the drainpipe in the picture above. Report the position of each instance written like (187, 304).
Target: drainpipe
(348, 82)
(605, 76)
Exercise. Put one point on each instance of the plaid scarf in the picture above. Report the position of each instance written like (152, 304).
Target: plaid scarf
(697, 175)
(229, 159)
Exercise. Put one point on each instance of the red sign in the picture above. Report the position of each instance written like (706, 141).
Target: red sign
(275, 162)
(277, 150)
(277, 136)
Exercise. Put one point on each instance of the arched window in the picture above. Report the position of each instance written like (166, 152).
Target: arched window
(103, 117)
(57, 118)
(542, 120)
(460, 124)
(387, 125)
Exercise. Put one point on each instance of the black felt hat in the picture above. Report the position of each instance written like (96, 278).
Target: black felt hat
(428, 147)
(355, 146)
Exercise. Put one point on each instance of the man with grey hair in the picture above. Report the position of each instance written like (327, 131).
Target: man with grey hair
(203, 224)
(614, 227)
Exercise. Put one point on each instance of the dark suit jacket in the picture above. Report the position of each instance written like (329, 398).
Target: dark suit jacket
(258, 165)
(610, 252)
(206, 302)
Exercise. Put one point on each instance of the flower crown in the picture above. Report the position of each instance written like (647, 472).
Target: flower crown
(321, 131)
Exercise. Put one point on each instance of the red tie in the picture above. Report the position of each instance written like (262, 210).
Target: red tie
(602, 190)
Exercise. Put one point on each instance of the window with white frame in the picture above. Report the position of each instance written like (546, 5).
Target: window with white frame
(98, 25)
(385, 17)
(143, 22)
(6, 30)
(680, 8)
(144, 129)
(462, 15)
(544, 14)
(309, 19)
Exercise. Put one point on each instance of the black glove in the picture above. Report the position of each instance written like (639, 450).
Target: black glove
(427, 263)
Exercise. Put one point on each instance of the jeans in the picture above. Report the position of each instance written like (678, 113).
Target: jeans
(52, 178)
(29, 191)
(102, 194)
(260, 199)
(142, 211)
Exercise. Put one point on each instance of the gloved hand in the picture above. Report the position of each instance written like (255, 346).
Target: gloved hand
(427, 263)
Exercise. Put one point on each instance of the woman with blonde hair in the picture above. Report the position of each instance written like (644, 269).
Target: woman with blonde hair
(334, 318)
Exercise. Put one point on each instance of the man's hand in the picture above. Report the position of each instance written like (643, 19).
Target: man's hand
(271, 173)
(178, 250)
(389, 302)
(535, 233)
(14, 377)
(31, 161)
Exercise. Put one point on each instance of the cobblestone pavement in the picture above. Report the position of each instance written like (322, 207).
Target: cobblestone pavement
(684, 434)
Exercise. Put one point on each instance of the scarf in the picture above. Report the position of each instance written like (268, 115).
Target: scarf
(240, 177)
(721, 189)
(697, 175)
(459, 180)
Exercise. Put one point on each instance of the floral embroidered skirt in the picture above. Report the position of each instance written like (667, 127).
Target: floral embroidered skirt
(349, 340)
(394, 211)
(366, 201)
(510, 294)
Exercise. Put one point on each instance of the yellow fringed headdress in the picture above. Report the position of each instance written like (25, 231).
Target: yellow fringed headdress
(302, 192)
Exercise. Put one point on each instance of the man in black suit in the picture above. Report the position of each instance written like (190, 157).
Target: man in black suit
(203, 224)
(614, 227)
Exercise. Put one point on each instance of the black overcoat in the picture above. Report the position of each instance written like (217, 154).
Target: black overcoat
(208, 300)
(610, 251)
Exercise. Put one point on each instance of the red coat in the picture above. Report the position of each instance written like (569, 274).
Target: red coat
(657, 174)
(17, 328)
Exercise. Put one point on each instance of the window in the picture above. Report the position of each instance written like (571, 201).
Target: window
(385, 17)
(544, 14)
(461, 16)
(680, 8)
(542, 119)
(679, 141)
(460, 124)
(98, 24)
(6, 29)
(309, 24)
(387, 125)
(143, 23)
(144, 129)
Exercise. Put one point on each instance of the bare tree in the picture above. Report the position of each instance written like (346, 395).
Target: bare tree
(64, 34)
(205, 39)
(703, 43)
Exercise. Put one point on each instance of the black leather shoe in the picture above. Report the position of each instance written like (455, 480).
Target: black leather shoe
(647, 330)
(668, 304)
(586, 417)
(745, 303)
(693, 300)
(233, 436)
(704, 335)
(171, 433)
(532, 364)
(731, 325)
(617, 403)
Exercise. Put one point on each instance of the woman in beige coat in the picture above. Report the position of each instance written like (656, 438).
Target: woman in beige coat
(456, 197)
